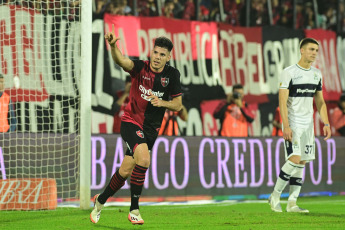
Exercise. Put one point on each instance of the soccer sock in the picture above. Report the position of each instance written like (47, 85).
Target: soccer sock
(296, 183)
(116, 182)
(137, 182)
(284, 176)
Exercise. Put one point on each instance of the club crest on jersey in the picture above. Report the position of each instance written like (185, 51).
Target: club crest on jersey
(140, 134)
(164, 81)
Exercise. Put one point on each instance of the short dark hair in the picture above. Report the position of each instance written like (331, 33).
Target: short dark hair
(164, 42)
(306, 41)
(237, 86)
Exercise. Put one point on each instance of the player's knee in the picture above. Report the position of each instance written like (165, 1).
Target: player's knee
(125, 173)
(144, 162)
(295, 159)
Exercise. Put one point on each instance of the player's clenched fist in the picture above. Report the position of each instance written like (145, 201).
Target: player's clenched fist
(110, 36)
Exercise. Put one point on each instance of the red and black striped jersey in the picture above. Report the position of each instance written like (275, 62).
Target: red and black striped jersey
(164, 85)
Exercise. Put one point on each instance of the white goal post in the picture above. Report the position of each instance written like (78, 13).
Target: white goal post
(85, 128)
(45, 103)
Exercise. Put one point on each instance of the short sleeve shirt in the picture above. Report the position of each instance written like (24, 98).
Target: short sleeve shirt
(164, 85)
(302, 85)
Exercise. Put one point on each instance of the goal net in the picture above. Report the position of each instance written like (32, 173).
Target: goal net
(40, 53)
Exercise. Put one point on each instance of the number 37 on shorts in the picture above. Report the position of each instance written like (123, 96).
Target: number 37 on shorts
(308, 149)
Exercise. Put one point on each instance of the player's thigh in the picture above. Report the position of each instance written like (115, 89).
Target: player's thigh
(308, 145)
(142, 155)
(133, 136)
(142, 151)
(293, 148)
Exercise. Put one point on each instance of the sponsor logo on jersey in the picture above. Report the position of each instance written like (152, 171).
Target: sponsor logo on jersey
(315, 77)
(164, 81)
(306, 90)
(146, 93)
(146, 78)
(140, 134)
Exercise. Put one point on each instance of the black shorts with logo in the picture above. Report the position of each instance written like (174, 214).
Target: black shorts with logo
(133, 135)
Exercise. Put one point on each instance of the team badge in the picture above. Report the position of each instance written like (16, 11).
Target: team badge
(164, 81)
(140, 134)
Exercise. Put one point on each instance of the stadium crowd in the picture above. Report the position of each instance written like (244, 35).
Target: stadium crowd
(234, 11)
(325, 14)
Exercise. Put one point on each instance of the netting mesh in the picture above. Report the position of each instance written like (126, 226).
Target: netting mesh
(39, 87)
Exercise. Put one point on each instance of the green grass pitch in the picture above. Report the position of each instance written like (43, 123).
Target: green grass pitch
(325, 213)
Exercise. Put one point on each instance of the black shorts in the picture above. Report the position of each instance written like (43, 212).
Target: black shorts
(133, 135)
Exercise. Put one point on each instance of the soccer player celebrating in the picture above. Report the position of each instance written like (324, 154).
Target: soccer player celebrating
(153, 83)
(298, 85)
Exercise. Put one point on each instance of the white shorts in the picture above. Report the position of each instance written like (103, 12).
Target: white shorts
(303, 144)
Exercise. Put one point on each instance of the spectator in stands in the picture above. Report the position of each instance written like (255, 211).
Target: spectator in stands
(169, 124)
(309, 20)
(276, 12)
(258, 14)
(113, 8)
(232, 9)
(300, 15)
(338, 117)
(8, 120)
(121, 8)
(189, 10)
(147, 8)
(214, 14)
(329, 18)
(178, 9)
(190, 14)
(342, 16)
(286, 14)
(234, 114)
(99, 9)
(277, 123)
(168, 9)
(121, 100)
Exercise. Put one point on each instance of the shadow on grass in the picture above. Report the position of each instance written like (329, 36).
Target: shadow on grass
(103, 226)
(342, 216)
(49, 218)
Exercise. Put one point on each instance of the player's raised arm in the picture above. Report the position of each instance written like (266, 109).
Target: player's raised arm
(126, 63)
